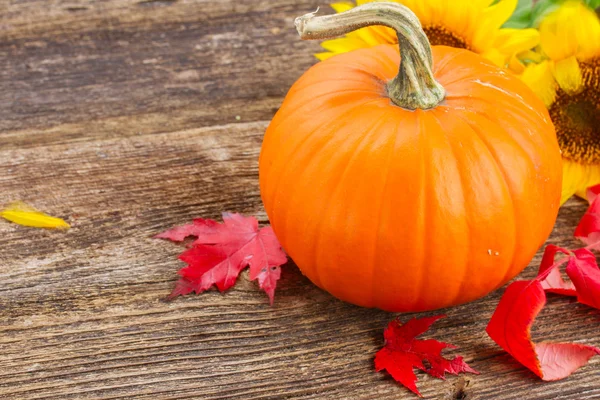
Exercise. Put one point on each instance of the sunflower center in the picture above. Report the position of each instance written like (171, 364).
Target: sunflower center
(577, 117)
(440, 36)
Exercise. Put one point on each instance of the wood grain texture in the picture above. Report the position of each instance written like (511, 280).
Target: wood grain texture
(120, 116)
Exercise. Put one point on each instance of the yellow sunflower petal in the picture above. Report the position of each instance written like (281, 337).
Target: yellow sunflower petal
(495, 56)
(344, 44)
(475, 22)
(557, 33)
(500, 12)
(463, 21)
(518, 62)
(384, 34)
(513, 41)
(480, 4)
(568, 74)
(572, 30)
(490, 21)
(540, 79)
(531, 56)
(324, 55)
(341, 7)
(422, 9)
(23, 214)
(577, 178)
(589, 34)
(369, 36)
(515, 65)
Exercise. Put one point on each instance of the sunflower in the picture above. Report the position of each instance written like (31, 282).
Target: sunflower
(469, 24)
(568, 81)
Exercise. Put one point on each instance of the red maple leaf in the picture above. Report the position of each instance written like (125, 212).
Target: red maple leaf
(221, 251)
(402, 352)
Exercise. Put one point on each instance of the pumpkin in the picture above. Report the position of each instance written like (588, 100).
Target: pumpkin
(410, 190)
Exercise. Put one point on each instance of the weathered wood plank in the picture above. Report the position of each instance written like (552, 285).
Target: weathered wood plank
(77, 76)
(123, 149)
(89, 304)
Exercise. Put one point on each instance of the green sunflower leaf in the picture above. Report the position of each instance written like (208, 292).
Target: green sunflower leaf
(522, 16)
(593, 3)
(529, 13)
(543, 8)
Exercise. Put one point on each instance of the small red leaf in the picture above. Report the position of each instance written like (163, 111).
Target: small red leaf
(402, 352)
(585, 275)
(510, 327)
(221, 251)
(549, 274)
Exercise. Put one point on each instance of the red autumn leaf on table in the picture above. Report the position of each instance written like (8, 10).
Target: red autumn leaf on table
(511, 323)
(588, 229)
(510, 327)
(403, 352)
(583, 271)
(221, 251)
(549, 274)
(592, 192)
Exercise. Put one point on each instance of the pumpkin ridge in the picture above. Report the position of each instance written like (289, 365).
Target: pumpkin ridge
(502, 174)
(297, 149)
(424, 204)
(463, 183)
(516, 112)
(506, 105)
(513, 111)
(530, 139)
(338, 184)
(291, 160)
(439, 67)
(441, 70)
(384, 190)
(312, 98)
(326, 78)
(384, 59)
(513, 96)
(347, 64)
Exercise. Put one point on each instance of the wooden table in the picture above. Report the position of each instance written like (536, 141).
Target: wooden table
(129, 117)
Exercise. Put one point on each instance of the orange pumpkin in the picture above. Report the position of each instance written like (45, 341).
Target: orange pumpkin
(412, 193)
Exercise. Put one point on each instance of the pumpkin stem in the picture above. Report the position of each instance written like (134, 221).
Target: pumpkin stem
(414, 86)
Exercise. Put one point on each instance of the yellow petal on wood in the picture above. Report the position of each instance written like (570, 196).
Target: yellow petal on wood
(23, 214)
